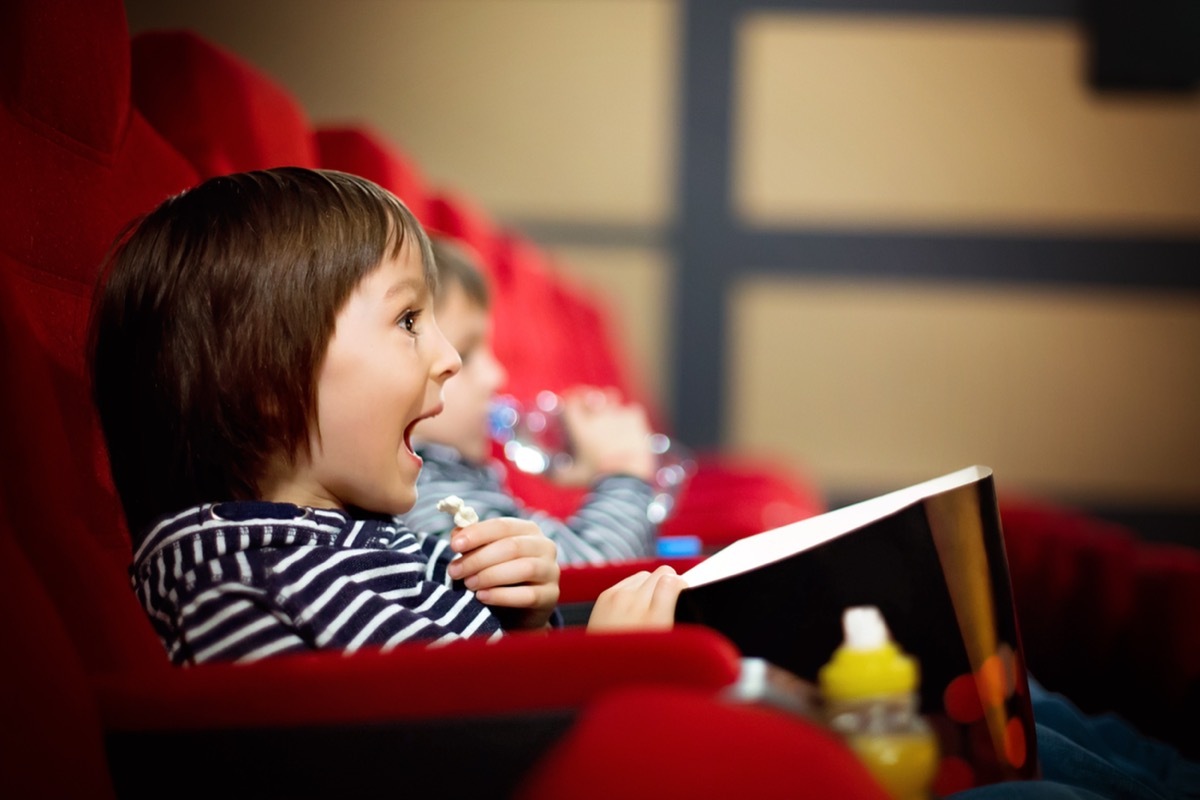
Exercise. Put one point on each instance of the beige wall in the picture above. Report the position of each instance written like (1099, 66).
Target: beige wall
(1085, 395)
(566, 112)
(903, 122)
(915, 124)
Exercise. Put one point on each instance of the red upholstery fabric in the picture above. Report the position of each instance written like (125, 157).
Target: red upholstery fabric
(88, 585)
(532, 338)
(1107, 619)
(596, 361)
(456, 215)
(523, 672)
(79, 164)
(642, 743)
(222, 113)
(735, 495)
(584, 582)
(361, 151)
(50, 738)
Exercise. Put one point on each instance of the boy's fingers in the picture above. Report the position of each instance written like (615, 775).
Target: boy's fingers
(628, 582)
(490, 530)
(647, 589)
(503, 550)
(510, 573)
(666, 595)
(530, 596)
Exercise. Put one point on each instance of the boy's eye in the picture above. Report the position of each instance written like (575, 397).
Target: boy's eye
(408, 320)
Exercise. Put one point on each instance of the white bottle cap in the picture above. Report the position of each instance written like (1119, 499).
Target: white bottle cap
(864, 628)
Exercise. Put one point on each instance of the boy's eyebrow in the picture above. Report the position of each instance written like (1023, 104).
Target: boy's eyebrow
(407, 285)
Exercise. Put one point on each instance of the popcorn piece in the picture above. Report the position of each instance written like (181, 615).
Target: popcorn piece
(464, 515)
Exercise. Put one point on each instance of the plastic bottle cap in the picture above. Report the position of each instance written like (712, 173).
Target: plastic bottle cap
(864, 628)
(868, 663)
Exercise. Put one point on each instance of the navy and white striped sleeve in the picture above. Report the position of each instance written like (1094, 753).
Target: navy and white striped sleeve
(232, 622)
(317, 598)
(610, 525)
(384, 598)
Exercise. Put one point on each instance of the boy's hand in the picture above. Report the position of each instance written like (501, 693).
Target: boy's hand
(509, 564)
(607, 436)
(644, 601)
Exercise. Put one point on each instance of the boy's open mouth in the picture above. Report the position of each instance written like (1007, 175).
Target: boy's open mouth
(409, 429)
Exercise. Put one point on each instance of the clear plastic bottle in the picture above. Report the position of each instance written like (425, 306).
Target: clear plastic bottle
(535, 440)
(869, 690)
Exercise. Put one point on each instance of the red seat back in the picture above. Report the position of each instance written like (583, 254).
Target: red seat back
(361, 151)
(87, 582)
(79, 164)
(455, 215)
(643, 743)
(50, 738)
(222, 113)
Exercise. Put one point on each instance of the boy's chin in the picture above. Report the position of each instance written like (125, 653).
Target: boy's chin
(392, 505)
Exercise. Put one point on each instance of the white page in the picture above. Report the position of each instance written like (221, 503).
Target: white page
(779, 543)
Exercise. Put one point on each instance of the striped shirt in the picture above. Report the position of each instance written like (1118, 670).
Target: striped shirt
(241, 581)
(610, 525)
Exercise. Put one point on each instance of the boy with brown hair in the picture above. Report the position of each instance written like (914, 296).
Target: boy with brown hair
(262, 347)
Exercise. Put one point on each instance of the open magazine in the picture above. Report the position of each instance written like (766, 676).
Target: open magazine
(931, 558)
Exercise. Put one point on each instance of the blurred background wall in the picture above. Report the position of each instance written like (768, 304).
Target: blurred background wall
(880, 239)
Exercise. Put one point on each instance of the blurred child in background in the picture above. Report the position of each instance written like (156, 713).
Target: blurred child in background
(610, 439)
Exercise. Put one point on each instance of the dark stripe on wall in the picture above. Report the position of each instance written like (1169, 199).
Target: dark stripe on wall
(1142, 263)
(589, 234)
(1043, 9)
(704, 233)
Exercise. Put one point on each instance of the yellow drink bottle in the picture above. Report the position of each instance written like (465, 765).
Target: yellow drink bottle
(869, 689)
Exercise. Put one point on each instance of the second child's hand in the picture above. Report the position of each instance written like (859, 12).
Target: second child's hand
(644, 601)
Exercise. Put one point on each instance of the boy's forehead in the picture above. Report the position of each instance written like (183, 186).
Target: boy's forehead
(399, 274)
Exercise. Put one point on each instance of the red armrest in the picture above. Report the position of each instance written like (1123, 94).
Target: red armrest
(520, 672)
(584, 583)
(463, 720)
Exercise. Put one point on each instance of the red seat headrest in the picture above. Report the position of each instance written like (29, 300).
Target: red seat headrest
(66, 65)
(223, 114)
(361, 151)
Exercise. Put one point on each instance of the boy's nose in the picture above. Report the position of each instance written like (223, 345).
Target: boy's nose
(448, 362)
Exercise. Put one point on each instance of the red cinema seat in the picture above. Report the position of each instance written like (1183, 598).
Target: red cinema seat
(362, 151)
(1107, 618)
(455, 215)
(712, 750)
(329, 725)
(51, 742)
(88, 584)
(223, 114)
(735, 494)
(78, 164)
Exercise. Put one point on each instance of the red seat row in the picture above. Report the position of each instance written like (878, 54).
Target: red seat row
(92, 708)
